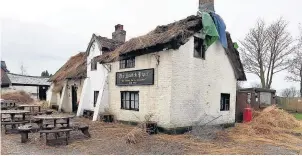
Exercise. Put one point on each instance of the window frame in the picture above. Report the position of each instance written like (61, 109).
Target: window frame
(135, 100)
(225, 101)
(95, 98)
(199, 51)
(93, 65)
(127, 63)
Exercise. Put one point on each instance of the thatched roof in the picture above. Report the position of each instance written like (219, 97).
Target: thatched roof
(104, 43)
(170, 36)
(74, 68)
(234, 57)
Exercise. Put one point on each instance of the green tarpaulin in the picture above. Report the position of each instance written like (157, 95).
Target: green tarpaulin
(209, 29)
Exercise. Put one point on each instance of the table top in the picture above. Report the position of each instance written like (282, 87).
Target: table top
(13, 111)
(28, 105)
(54, 116)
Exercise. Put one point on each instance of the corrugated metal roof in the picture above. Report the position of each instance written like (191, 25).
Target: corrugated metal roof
(28, 80)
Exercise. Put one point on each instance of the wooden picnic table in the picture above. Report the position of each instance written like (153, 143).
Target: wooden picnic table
(55, 117)
(31, 107)
(8, 103)
(12, 113)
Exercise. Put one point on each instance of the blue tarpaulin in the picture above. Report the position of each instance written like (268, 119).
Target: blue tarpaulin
(220, 26)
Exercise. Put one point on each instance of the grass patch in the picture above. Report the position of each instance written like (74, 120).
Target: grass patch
(298, 116)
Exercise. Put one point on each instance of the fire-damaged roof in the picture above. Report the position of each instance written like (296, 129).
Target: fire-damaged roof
(170, 36)
(74, 68)
(105, 43)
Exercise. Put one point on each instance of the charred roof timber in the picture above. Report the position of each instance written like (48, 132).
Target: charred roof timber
(119, 34)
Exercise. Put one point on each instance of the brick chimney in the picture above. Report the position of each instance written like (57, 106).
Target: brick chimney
(119, 34)
(206, 5)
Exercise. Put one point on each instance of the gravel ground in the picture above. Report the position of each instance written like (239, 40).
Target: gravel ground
(110, 139)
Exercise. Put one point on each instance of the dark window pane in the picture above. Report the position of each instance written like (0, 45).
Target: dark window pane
(96, 94)
(129, 100)
(225, 102)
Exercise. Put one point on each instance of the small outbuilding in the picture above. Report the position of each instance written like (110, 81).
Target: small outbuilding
(35, 85)
(256, 98)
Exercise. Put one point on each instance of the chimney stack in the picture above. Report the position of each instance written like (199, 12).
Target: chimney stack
(119, 34)
(206, 5)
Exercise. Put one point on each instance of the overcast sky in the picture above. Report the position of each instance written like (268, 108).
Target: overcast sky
(43, 34)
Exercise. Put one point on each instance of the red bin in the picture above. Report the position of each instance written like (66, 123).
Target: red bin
(247, 115)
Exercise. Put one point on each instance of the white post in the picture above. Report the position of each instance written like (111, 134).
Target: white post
(84, 95)
(63, 96)
(99, 100)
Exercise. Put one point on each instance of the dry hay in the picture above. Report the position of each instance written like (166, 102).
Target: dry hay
(43, 104)
(18, 96)
(136, 135)
(270, 121)
(74, 68)
(58, 86)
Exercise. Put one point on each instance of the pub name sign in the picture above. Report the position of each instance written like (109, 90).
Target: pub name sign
(135, 77)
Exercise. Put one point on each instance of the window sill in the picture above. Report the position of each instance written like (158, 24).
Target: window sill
(136, 110)
(126, 68)
(199, 58)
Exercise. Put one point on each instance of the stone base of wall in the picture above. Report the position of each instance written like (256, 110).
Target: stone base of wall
(177, 130)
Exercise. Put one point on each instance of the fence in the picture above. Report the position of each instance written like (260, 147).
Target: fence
(293, 104)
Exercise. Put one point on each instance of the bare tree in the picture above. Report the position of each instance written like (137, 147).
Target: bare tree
(289, 92)
(256, 85)
(295, 70)
(266, 50)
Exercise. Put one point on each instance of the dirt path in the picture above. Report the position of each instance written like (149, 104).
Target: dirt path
(109, 139)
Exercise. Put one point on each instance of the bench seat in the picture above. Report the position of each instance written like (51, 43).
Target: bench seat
(56, 132)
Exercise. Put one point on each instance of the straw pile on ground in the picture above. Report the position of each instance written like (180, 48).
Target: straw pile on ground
(18, 96)
(136, 135)
(270, 121)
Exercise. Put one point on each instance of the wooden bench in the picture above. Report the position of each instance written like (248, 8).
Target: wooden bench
(56, 133)
(13, 124)
(5, 118)
(24, 130)
(82, 128)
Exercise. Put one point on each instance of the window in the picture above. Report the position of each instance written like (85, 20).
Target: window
(130, 100)
(265, 98)
(199, 48)
(93, 64)
(225, 102)
(127, 63)
(96, 94)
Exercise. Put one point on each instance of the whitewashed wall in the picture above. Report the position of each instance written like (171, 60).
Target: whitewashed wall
(154, 99)
(197, 85)
(52, 96)
(66, 99)
(94, 82)
(186, 89)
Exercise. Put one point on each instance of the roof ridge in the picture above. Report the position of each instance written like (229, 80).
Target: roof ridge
(27, 75)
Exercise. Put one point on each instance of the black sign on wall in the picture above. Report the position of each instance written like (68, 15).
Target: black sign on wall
(135, 77)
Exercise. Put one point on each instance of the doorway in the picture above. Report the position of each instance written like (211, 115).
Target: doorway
(42, 92)
(74, 98)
